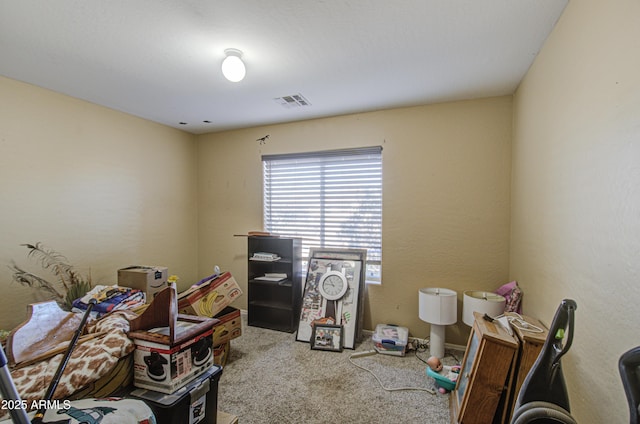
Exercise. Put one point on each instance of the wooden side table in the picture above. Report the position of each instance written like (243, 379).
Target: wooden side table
(486, 375)
(531, 341)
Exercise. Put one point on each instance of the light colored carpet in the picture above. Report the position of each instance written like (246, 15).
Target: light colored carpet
(272, 378)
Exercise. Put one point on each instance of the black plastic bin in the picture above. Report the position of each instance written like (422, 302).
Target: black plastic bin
(196, 402)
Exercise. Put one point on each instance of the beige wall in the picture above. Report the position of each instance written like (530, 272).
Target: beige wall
(109, 190)
(446, 173)
(576, 194)
(104, 188)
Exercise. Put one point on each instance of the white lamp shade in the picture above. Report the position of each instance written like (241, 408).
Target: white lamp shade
(484, 302)
(438, 306)
(233, 67)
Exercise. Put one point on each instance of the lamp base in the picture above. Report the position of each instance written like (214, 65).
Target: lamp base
(436, 341)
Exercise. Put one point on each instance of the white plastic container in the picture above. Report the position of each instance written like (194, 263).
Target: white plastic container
(390, 339)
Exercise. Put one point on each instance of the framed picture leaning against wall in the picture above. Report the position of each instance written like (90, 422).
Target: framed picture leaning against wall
(334, 293)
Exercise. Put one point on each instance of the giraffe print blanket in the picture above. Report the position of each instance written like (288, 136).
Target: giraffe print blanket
(88, 362)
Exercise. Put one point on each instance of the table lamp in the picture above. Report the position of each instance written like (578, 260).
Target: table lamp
(438, 307)
(484, 302)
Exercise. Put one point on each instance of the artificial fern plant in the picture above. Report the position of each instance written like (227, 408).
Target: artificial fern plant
(70, 283)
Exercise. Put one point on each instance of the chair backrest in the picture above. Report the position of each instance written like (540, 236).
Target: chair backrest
(629, 366)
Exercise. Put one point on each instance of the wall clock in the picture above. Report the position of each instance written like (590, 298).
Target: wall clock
(332, 287)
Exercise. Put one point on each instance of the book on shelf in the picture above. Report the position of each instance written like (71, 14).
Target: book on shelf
(264, 256)
(273, 276)
(259, 234)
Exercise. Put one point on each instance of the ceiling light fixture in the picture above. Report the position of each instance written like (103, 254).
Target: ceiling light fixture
(233, 68)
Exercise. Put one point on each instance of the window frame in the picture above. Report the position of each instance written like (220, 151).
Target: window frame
(315, 181)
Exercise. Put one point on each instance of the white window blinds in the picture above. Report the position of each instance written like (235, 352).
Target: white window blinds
(328, 199)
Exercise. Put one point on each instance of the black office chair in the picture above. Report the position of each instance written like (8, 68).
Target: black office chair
(543, 397)
(629, 366)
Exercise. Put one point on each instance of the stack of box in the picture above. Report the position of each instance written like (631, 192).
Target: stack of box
(211, 297)
(165, 365)
(177, 367)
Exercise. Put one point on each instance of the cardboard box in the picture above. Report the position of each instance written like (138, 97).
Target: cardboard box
(150, 279)
(229, 326)
(209, 297)
(225, 418)
(221, 353)
(164, 367)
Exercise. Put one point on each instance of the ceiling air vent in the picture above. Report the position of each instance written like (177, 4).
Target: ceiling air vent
(294, 100)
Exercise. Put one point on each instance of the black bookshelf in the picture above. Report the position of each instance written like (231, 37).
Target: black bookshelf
(274, 282)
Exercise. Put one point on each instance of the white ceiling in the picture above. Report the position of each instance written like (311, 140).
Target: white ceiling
(160, 59)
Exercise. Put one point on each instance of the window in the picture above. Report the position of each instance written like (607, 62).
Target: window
(329, 199)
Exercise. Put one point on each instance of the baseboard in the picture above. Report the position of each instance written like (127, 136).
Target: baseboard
(418, 340)
(455, 347)
(450, 346)
(415, 340)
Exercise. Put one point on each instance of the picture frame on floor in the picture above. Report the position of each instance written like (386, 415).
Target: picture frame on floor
(326, 301)
(327, 337)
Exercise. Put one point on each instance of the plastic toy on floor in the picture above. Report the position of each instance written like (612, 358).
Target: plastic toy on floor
(445, 375)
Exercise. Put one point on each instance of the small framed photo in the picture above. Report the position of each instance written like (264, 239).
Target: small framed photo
(327, 337)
